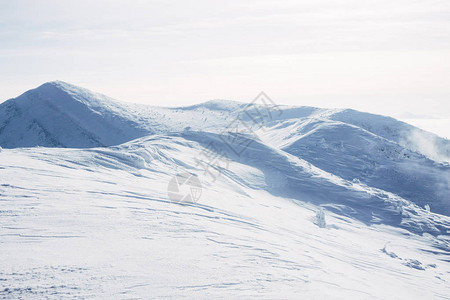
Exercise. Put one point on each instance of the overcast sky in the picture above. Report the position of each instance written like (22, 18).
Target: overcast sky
(390, 57)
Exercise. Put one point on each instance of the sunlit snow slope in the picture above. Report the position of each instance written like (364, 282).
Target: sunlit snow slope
(97, 222)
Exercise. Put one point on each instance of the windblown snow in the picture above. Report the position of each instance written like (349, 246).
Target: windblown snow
(312, 203)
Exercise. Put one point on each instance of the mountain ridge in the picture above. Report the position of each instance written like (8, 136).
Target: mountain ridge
(139, 120)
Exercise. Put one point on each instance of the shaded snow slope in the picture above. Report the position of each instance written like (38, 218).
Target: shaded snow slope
(289, 176)
(97, 222)
(408, 136)
(57, 114)
(356, 154)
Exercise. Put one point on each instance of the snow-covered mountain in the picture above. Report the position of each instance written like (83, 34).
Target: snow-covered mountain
(58, 114)
(98, 221)
(375, 150)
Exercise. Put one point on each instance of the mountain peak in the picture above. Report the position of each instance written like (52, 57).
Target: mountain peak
(62, 93)
(59, 114)
(58, 84)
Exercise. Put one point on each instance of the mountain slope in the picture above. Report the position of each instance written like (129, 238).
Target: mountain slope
(291, 177)
(356, 154)
(406, 135)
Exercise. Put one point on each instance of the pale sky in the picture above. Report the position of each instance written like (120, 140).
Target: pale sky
(389, 57)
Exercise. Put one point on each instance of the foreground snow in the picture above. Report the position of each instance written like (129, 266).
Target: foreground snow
(98, 223)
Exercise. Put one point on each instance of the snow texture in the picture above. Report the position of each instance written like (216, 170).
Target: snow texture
(85, 212)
